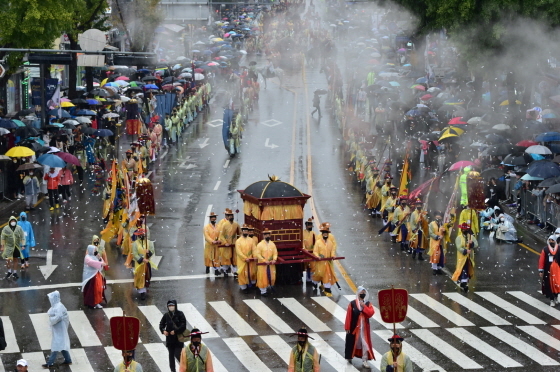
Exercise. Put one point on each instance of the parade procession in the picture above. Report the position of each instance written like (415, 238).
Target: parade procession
(300, 185)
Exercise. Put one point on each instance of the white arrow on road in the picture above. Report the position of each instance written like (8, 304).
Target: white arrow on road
(216, 123)
(48, 269)
(204, 144)
(272, 146)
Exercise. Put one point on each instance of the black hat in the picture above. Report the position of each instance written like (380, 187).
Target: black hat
(195, 332)
(396, 338)
(172, 302)
(302, 332)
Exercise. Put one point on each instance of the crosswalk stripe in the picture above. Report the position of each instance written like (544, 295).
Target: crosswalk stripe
(420, 319)
(115, 356)
(2, 369)
(377, 315)
(306, 316)
(510, 308)
(375, 363)
(476, 308)
(233, 319)
(196, 320)
(523, 347)
(443, 310)
(483, 347)
(541, 336)
(246, 356)
(280, 346)
(80, 361)
(10, 336)
(332, 356)
(446, 349)
(545, 308)
(160, 355)
(35, 359)
(154, 315)
(218, 366)
(332, 307)
(41, 323)
(83, 329)
(269, 316)
(416, 356)
(111, 312)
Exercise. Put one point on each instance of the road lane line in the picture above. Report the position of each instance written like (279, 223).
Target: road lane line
(443, 347)
(483, 347)
(160, 355)
(443, 310)
(376, 315)
(376, 363)
(217, 185)
(279, 346)
(529, 248)
(536, 303)
(196, 319)
(523, 347)
(541, 336)
(83, 329)
(332, 356)
(111, 312)
(476, 308)
(154, 315)
(80, 361)
(233, 319)
(306, 316)
(44, 334)
(510, 308)
(246, 356)
(164, 154)
(416, 356)
(10, 336)
(269, 316)
(293, 151)
(226, 164)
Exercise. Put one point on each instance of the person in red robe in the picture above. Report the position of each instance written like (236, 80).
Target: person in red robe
(93, 283)
(358, 334)
(549, 270)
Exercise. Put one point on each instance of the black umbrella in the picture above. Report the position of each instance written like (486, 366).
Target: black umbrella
(88, 131)
(553, 189)
(134, 89)
(433, 136)
(149, 78)
(549, 182)
(79, 101)
(99, 92)
(320, 91)
(518, 160)
(501, 149)
(492, 173)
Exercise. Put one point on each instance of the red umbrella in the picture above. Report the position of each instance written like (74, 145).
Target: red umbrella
(199, 70)
(419, 87)
(457, 121)
(122, 78)
(167, 87)
(429, 185)
(526, 143)
(69, 158)
(461, 164)
(426, 97)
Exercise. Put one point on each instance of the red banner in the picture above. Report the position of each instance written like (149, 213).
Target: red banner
(393, 304)
(124, 332)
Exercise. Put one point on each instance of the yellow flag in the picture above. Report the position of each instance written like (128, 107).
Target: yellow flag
(406, 176)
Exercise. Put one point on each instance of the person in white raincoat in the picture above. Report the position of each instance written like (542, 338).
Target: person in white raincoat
(505, 229)
(59, 322)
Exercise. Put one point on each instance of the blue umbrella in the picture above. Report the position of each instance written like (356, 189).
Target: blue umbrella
(103, 133)
(548, 136)
(544, 169)
(93, 101)
(151, 86)
(85, 112)
(414, 113)
(8, 124)
(51, 160)
(62, 114)
(493, 139)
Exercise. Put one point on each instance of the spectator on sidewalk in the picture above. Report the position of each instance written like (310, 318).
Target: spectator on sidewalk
(21, 365)
(31, 185)
(66, 181)
(53, 180)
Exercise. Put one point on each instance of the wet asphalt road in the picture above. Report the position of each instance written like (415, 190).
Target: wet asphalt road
(198, 176)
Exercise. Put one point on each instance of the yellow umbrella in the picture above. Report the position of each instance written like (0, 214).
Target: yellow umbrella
(20, 152)
(216, 39)
(67, 104)
(104, 81)
(450, 132)
(506, 102)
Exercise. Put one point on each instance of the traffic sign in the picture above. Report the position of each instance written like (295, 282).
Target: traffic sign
(2, 71)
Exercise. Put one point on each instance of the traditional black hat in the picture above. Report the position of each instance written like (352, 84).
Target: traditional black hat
(195, 332)
(302, 332)
(396, 338)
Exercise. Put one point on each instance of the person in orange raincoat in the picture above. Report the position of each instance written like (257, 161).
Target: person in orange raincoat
(358, 334)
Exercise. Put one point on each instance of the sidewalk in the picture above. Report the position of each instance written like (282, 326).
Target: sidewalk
(14, 208)
(540, 235)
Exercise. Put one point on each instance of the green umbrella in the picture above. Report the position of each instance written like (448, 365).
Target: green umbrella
(19, 123)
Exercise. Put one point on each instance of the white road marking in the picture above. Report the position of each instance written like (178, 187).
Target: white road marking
(269, 316)
(279, 346)
(306, 316)
(524, 348)
(483, 347)
(164, 154)
(154, 315)
(159, 354)
(233, 319)
(333, 357)
(332, 307)
(111, 312)
(416, 356)
(34, 359)
(246, 356)
(420, 319)
(376, 363)
(376, 315)
(10, 336)
(541, 336)
(545, 308)
(2, 369)
(149, 174)
(272, 146)
(443, 347)
(443, 310)
(83, 329)
(510, 308)
(196, 319)
(40, 323)
(115, 356)
(477, 309)
(226, 164)
(80, 361)
(217, 185)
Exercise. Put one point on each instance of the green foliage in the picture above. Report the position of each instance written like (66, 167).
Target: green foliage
(141, 18)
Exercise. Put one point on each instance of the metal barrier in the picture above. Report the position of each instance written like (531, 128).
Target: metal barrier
(535, 207)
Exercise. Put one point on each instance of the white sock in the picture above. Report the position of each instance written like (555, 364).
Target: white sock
(9, 270)
(434, 266)
(243, 286)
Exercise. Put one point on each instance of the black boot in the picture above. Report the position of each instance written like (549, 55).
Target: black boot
(207, 270)
(434, 272)
(440, 272)
(420, 257)
(403, 248)
(414, 255)
(393, 239)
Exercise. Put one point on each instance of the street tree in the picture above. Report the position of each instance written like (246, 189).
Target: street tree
(138, 19)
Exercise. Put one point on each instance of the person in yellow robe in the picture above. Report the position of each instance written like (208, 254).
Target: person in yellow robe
(401, 224)
(417, 224)
(395, 360)
(142, 251)
(373, 189)
(386, 192)
(211, 243)
(229, 231)
(324, 270)
(253, 264)
(304, 356)
(308, 244)
(128, 364)
(266, 253)
(244, 249)
(466, 243)
(470, 217)
(438, 248)
(129, 164)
